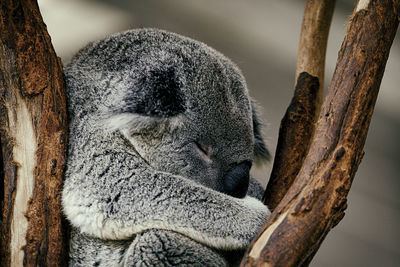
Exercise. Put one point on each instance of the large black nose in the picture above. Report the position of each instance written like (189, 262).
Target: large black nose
(236, 181)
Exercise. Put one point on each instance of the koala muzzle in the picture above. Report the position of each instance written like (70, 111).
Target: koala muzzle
(236, 181)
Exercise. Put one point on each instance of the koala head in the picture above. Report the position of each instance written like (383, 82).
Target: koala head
(184, 107)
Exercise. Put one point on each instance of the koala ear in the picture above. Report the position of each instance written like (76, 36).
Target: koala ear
(154, 100)
(158, 93)
(261, 152)
(130, 123)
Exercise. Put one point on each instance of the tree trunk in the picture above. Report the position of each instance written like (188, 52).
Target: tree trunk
(317, 199)
(33, 139)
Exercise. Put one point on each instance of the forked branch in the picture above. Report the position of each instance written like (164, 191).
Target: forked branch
(317, 199)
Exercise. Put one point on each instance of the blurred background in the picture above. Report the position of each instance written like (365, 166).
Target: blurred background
(262, 38)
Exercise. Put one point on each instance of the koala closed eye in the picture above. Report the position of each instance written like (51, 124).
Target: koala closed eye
(204, 151)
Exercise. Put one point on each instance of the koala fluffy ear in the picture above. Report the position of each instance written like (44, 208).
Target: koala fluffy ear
(158, 93)
(130, 124)
(261, 152)
(153, 100)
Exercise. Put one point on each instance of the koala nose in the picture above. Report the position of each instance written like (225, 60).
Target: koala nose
(236, 181)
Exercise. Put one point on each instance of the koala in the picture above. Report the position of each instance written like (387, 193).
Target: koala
(162, 137)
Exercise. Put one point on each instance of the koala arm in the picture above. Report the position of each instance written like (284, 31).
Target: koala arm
(117, 197)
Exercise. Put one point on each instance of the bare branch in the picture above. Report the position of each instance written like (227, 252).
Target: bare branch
(33, 139)
(297, 126)
(317, 199)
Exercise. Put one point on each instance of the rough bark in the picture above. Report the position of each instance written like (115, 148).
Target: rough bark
(297, 125)
(317, 199)
(33, 139)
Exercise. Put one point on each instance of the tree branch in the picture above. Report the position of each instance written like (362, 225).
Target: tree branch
(297, 126)
(317, 199)
(33, 139)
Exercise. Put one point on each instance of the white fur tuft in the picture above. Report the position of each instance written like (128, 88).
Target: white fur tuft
(133, 122)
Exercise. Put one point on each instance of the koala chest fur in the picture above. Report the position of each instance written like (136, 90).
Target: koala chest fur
(162, 137)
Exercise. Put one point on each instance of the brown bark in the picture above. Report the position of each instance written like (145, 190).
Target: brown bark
(317, 199)
(297, 125)
(33, 139)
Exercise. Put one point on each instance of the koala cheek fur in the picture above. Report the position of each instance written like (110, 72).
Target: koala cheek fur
(162, 137)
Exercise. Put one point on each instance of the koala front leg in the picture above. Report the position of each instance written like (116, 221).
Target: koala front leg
(165, 248)
(118, 197)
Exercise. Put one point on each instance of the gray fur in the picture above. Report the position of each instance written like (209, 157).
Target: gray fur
(157, 120)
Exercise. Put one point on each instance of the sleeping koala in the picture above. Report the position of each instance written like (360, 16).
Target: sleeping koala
(162, 137)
